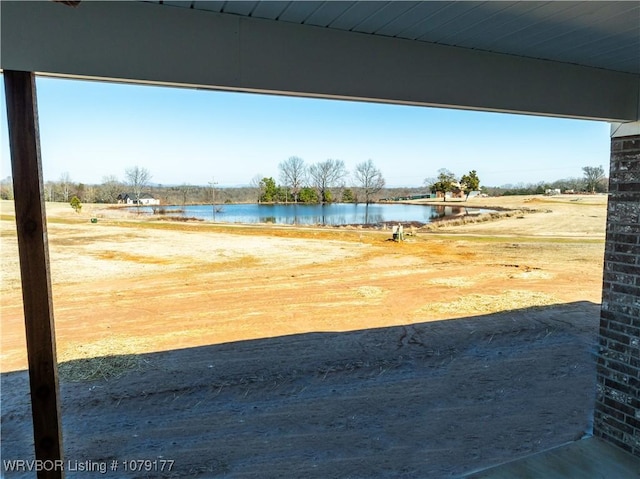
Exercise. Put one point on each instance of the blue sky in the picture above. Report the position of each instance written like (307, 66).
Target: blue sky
(94, 129)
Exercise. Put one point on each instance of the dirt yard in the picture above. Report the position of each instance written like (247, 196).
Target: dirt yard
(153, 320)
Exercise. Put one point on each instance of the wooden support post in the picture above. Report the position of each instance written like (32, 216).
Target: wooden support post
(24, 141)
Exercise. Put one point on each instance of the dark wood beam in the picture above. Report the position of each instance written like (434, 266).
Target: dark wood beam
(24, 141)
(69, 3)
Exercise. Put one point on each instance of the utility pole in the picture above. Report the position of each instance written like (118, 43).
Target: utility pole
(213, 184)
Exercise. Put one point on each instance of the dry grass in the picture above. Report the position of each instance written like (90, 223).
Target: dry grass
(106, 367)
(112, 357)
(482, 218)
(105, 359)
(135, 258)
(455, 282)
(533, 274)
(370, 291)
(485, 304)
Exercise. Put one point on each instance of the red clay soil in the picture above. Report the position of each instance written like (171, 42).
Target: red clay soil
(281, 352)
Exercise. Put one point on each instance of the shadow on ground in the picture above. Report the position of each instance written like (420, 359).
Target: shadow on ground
(429, 400)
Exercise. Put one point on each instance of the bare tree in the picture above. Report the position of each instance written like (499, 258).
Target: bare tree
(89, 194)
(6, 188)
(325, 175)
(429, 182)
(49, 191)
(593, 177)
(256, 186)
(212, 185)
(138, 178)
(185, 191)
(369, 179)
(65, 186)
(292, 175)
(109, 189)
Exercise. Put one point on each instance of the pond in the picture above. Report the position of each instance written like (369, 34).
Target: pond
(334, 214)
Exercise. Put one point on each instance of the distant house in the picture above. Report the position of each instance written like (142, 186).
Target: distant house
(130, 199)
(457, 192)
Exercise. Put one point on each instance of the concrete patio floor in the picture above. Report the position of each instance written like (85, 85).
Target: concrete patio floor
(588, 458)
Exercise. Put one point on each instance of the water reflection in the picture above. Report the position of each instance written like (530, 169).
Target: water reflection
(334, 214)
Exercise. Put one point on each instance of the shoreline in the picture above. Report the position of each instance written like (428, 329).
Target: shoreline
(166, 213)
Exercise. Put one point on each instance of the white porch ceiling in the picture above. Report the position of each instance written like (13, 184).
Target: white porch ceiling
(567, 59)
(601, 34)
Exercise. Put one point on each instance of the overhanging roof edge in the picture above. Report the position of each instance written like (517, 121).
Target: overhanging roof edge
(147, 43)
(311, 95)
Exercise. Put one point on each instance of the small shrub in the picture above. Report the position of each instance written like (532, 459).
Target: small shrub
(75, 204)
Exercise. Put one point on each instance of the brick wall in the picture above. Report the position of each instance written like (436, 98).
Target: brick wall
(617, 411)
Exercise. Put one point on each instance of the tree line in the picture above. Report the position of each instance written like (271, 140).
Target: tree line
(593, 181)
(324, 181)
(321, 182)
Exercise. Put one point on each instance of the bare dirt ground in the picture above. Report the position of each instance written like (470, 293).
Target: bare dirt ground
(266, 351)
